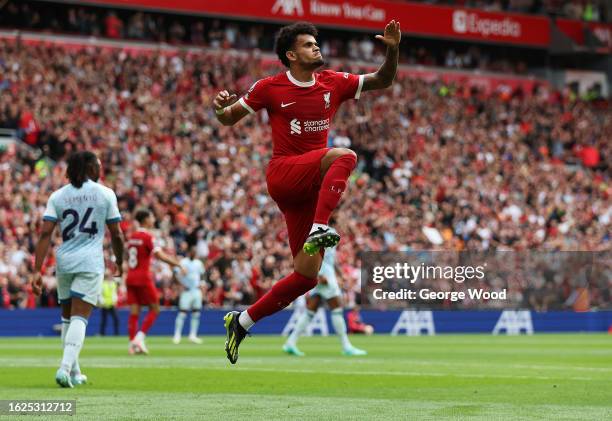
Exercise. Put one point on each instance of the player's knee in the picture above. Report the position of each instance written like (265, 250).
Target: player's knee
(347, 156)
(338, 152)
(349, 152)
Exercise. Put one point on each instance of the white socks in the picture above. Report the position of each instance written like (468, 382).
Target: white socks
(178, 324)
(73, 342)
(337, 317)
(300, 327)
(245, 320)
(316, 226)
(65, 324)
(195, 324)
(76, 369)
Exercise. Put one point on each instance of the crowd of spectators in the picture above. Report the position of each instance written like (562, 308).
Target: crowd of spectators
(224, 34)
(440, 166)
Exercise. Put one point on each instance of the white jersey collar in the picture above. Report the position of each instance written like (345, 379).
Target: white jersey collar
(298, 83)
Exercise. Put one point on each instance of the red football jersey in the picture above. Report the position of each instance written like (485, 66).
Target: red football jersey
(301, 112)
(140, 248)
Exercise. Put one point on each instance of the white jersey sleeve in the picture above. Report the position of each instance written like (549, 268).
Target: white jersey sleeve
(112, 214)
(50, 211)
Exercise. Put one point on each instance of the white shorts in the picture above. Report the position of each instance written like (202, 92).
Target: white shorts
(84, 285)
(190, 300)
(330, 289)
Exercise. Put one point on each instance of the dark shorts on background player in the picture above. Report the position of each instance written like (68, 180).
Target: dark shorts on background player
(294, 182)
(144, 295)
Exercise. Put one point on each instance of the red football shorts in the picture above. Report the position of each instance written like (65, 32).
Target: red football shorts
(294, 183)
(143, 295)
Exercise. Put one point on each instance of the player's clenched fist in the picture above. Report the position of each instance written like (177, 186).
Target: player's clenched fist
(223, 99)
(37, 284)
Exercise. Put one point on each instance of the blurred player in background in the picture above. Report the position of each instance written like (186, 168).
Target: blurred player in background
(356, 325)
(141, 289)
(191, 297)
(305, 178)
(327, 289)
(81, 209)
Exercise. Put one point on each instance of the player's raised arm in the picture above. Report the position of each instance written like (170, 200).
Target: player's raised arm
(227, 109)
(383, 77)
(117, 243)
(42, 248)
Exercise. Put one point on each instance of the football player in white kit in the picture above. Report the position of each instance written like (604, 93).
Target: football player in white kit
(327, 289)
(191, 297)
(81, 209)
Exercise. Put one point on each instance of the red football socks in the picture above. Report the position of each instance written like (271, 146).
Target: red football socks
(332, 187)
(148, 321)
(281, 295)
(132, 325)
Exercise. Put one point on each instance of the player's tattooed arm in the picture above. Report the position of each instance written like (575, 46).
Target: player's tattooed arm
(42, 248)
(227, 109)
(383, 77)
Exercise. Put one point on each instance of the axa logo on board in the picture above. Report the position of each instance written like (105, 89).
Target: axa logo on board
(472, 23)
(330, 9)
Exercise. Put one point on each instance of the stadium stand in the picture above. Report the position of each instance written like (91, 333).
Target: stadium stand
(434, 158)
(521, 168)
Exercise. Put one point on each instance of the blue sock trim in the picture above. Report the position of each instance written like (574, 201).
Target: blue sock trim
(79, 318)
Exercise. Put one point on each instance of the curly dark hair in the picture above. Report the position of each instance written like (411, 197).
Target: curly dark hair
(79, 166)
(287, 35)
(141, 215)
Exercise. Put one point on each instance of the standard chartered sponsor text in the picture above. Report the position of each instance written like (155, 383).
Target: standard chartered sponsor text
(316, 125)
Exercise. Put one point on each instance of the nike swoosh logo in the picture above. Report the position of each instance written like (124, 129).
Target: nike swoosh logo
(286, 105)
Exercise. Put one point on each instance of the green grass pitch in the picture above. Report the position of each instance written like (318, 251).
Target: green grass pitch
(480, 377)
